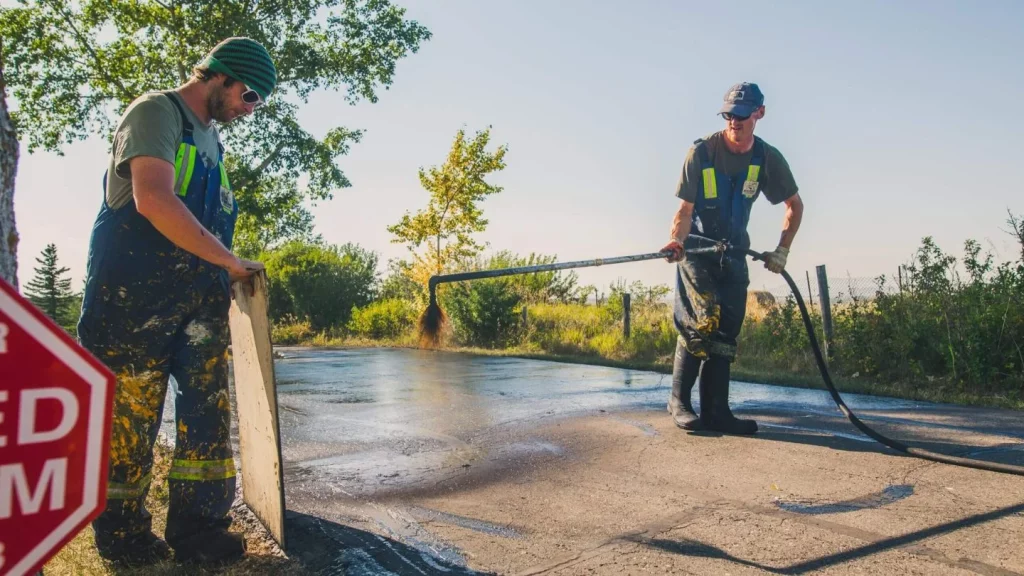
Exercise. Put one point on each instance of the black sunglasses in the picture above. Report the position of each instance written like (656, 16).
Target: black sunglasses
(730, 117)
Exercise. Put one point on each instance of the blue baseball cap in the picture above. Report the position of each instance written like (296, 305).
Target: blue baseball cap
(742, 99)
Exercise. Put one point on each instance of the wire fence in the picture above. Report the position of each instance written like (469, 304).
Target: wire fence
(840, 288)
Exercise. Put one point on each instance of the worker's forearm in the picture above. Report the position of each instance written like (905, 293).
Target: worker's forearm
(172, 219)
(682, 222)
(790, 225)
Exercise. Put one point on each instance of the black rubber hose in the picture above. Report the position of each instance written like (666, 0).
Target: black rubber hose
(894, 444)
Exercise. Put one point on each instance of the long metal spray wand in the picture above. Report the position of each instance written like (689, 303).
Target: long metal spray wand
(433, 318)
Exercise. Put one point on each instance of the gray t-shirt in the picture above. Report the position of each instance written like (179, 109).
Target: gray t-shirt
(151, 126)
(776, 178)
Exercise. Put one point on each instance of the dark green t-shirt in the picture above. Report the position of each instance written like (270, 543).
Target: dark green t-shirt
(777, 181)
(151, 126)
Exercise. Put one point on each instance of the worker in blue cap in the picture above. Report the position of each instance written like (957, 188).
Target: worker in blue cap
(723, 175)
(156, 304)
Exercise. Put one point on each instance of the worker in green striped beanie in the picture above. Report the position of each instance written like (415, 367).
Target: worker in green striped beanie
(163, 239)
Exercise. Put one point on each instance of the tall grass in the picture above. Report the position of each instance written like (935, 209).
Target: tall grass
(587, 330)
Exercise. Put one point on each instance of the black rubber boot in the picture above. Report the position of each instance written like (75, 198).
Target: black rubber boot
(714, 399)
(211, 548)
(684, 375)
(141, 550)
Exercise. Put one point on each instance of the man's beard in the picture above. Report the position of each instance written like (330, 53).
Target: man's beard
(217, 107)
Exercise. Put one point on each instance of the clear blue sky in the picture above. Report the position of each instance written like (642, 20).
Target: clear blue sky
(899, 119)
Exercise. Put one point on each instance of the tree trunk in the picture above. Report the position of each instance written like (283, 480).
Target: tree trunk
(8, 168)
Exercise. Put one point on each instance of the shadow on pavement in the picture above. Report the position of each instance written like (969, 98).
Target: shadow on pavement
(325, 547)
(795, 431)
(699, 549)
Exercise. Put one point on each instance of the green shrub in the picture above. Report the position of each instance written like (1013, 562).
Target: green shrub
(383, 319)
(289, 332)
(953, 325)
(319, 284)
(485, 313)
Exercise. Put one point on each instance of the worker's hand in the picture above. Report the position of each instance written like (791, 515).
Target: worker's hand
(243, 271)
(776, 261)
(677, 251)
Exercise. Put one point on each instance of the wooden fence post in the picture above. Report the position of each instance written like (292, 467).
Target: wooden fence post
(826, 310)
(810, 293)
(625, 314)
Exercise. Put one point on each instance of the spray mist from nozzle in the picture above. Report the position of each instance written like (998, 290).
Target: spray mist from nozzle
(433, 320)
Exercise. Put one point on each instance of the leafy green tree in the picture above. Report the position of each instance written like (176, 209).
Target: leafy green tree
(1017, 231)
(445, 227)
(73, 67)
(537, 287)
(50, 289)
(399, 285)
(320, 283)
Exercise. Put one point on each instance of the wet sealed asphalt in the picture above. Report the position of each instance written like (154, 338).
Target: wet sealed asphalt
(370, 435)
(415, 413)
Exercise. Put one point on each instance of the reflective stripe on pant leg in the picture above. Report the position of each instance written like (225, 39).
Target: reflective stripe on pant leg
(202, 469)
(130, 490)
(202, 477)
(125, 514)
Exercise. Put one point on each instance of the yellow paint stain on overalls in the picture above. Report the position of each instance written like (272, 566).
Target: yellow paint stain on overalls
(135, 407)
(211, 364)
(707, 311)
(709, 324)
(209, 374)
(223, 403)
(203, 381)
(123, 441)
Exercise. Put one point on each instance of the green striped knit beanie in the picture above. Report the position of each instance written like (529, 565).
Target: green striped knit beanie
(245, 60)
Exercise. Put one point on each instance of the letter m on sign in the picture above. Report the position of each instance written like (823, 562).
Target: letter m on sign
(15, 484)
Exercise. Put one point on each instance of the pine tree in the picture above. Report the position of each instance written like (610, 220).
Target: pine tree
(50, 289)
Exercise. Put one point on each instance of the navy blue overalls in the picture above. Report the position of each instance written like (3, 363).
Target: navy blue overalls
(152, 310)
(711, 289)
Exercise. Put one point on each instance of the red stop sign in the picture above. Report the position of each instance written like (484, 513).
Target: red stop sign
(55, 412)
